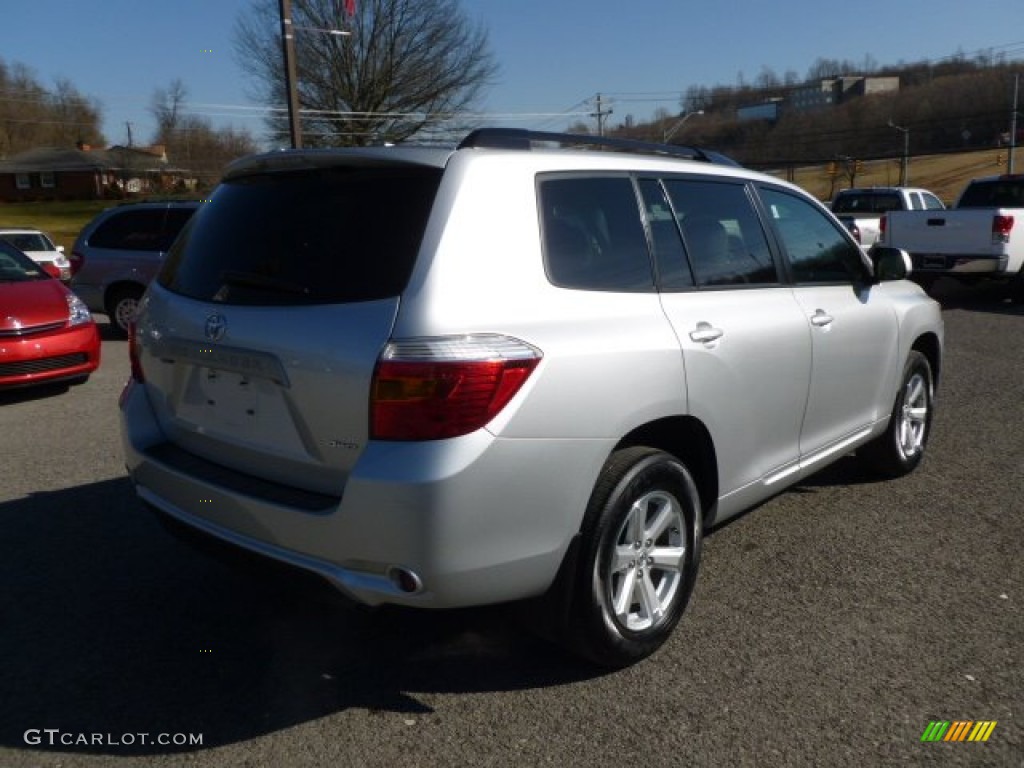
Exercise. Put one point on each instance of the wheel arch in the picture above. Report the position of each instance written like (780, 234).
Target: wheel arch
(928, 345)
(686, 438)
(114, 288)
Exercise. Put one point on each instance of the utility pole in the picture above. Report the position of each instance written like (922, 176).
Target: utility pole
(1013, 126)
(905, 160)
(128, 125)
(600, 115)
(290, 84)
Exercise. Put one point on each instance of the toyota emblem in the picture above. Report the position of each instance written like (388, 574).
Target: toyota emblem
(216, 326)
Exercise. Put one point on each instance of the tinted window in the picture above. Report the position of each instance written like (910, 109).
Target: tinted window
(673, 270)
(16, 267)
(722, 233)
(593, 236)
(993, 194)
(867, 202)
(28, 242)
(309, 237)
(818, 250)
(131, 230)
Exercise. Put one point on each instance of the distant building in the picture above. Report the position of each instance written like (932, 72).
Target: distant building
(837, 90)
(84, 173)
(766, 110)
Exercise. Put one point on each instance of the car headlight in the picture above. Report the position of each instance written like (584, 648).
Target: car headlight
(79, 313)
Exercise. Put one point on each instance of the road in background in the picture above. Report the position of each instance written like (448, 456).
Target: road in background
(828, 627)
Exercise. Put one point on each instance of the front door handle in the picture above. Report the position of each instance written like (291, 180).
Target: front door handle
(821, 318)
(705, 333)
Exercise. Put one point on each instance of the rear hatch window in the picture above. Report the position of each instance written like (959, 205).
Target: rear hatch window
(321, 236)
(873, 202)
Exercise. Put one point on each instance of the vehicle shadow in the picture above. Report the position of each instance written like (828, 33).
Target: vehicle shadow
(111, 626)
(108, 331)
(34, 392)
(992, 298)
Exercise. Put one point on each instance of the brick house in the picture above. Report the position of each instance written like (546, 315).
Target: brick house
(84, 173)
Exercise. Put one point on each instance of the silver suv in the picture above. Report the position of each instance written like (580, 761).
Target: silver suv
(515, 371)
(117, 253)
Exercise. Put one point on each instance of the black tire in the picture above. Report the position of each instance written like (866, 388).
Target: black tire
(618, 561)
(1017, 288)
(121, 306)
(898, 450)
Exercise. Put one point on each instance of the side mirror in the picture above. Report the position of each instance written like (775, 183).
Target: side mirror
(890, 263)
(60, 249)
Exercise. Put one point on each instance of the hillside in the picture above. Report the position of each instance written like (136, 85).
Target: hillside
(944, 174)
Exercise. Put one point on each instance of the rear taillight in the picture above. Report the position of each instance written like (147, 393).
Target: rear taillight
(855, 231)
(440, 387)
(52, 270)
(1001, 228)
(76, 260)
(133, 354)
(882, 227)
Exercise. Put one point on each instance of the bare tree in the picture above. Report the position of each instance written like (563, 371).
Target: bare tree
(33, 116)
(406, 68)
(166, 107)
(190, 140)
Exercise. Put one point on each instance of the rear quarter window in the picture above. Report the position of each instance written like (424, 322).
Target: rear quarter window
(307, 237)
(593, 235)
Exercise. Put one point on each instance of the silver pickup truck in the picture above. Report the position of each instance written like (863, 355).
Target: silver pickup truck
(861, 208)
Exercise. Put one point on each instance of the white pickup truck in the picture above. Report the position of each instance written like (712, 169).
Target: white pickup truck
(982, 236)
(861, 208)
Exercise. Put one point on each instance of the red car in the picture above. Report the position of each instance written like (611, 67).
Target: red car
(46, 332)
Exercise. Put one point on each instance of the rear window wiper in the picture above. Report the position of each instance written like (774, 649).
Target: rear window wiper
(265, 282)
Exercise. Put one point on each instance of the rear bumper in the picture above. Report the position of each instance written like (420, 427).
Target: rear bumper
(48, 358)
(941, 263)
(476, 519)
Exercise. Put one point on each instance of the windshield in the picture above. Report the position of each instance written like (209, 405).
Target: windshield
(16, 267)
(27, 241)
(330, 235)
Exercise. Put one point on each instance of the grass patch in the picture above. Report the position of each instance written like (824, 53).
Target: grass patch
(945, 175)
(61, 220)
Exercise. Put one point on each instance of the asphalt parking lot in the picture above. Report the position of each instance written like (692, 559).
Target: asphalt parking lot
(828, 628)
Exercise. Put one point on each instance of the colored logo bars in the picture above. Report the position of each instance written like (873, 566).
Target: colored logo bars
(958, 730)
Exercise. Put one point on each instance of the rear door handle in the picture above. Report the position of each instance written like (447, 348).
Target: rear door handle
(821, 318)
(705, 333)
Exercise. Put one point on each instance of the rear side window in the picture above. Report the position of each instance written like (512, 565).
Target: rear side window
(150, 229)
(308, 237)
(593, 236)
(993, 194)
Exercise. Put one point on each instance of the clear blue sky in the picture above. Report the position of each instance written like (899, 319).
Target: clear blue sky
(553, 54)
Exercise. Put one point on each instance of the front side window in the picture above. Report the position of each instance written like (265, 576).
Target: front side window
(593, 236)
(722, 233)
(818, 250)
(932, 203)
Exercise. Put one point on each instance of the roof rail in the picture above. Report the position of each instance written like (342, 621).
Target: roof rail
(521, 138)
